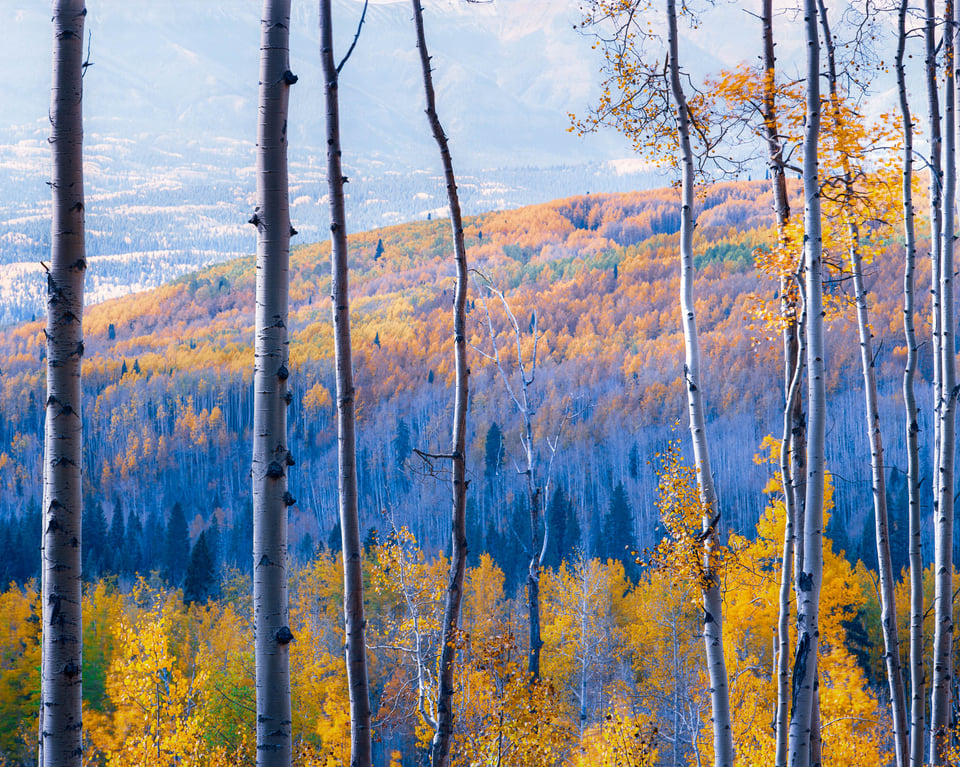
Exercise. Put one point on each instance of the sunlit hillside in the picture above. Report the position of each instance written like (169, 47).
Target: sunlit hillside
(168, 374)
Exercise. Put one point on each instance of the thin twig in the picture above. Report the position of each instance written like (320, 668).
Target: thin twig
(355, 37)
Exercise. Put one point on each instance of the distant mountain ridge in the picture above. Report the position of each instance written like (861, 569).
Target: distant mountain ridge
(170, 111)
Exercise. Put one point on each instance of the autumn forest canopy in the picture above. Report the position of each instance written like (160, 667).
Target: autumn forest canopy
(661, 477)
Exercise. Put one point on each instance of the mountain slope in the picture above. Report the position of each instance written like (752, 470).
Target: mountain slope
(168, 374)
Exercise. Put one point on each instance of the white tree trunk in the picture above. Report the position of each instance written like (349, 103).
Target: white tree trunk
(356, 650)
(712, 599)
(792, 355)
(61, 680)
(809, 579)
(888, 609)
(940, 713)
(791, 441)
(917, 681)
(440, 746)
(936, 206)
(271, 458)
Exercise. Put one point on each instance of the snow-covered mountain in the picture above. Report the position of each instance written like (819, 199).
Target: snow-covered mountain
(508, 73)
(170, 119)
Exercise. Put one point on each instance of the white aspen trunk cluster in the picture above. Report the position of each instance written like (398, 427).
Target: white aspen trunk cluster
(940, 705)
(888, 610)
(917, 681)
(791, 441)
(712, 598)
(810, 575)
(356, 650)
(440, 745)
(271, 457)
(61, 720)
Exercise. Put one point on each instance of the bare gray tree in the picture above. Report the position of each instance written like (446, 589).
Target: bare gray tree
(356, 649)
(440, 746)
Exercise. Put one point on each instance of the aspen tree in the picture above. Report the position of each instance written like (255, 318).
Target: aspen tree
(940, 706)
(271, 457)
(810, 577)
(646, 100)
(356, 650)
(917, 681)
(934, 120)
(61, 721)
(712, 598)
(793, 436)
(888, 617)
(440, 746)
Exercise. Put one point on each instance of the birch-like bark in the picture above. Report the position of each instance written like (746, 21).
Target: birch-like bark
(356, 649)
(791, 442)
(61, 731)
(888, 608)
(810, 578)
(917, 681)
(888, 612)
(792, 355)
(936, 209)
(940, 712)
(271, 458)
(712, 599)
(440, 746)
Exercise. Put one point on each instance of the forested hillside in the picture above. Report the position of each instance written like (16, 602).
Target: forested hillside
(167, 380)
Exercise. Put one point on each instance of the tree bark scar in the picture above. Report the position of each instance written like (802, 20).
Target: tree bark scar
(806, 582)
(799, 671)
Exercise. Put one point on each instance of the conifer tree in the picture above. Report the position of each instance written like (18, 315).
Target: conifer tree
(200, 582)
(133, 547)
(493, 450)
(564, 529)
(95, 538)
(618, 540)
(214, 541)
(117, 538)
(176, 545)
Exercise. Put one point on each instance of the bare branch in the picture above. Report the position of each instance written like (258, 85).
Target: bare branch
(356, 37)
